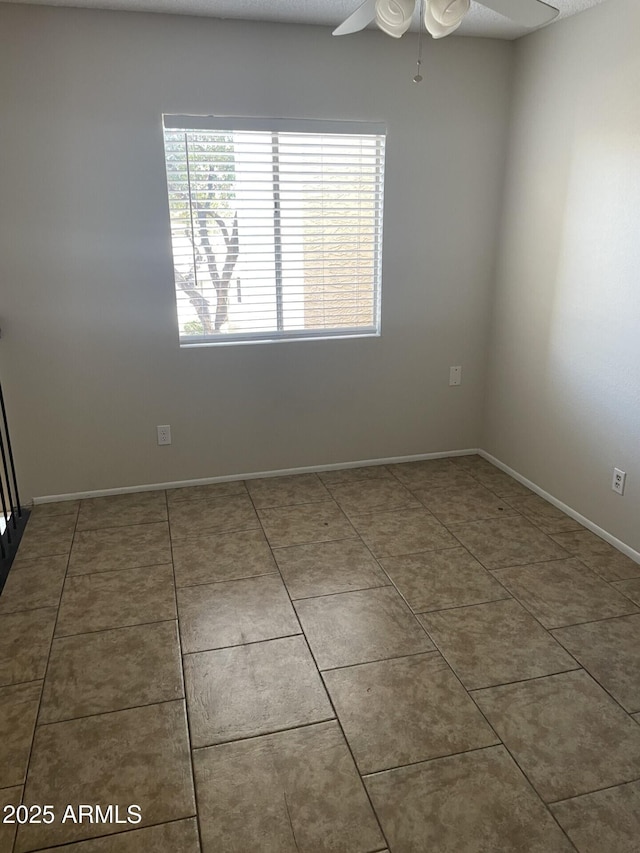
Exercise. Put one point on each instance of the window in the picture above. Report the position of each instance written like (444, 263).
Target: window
(276, 227)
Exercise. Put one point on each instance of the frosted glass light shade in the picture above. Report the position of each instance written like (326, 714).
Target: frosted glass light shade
(394, 16)
(442, 17)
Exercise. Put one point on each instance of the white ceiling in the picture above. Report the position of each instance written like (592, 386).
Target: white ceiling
(329, 13)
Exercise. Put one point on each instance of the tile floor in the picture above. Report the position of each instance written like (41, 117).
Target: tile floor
(417, 657)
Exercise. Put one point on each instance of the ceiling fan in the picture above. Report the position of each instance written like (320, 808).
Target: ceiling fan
(441, 17)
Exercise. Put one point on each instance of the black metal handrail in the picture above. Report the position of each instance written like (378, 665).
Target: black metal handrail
(13, 516)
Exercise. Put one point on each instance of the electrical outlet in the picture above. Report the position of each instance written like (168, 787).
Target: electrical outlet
(164, 434)
(455, 375)
(619, 478)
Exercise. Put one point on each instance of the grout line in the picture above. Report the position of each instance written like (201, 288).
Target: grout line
(528, 607)
(268, 733)
(214, 493)
(511, 754)
(433, 651)
(184, 686)
(577, 668)
(595, 791)
(73, 575)
(294, 503)
(27, 766)
(274, 548)
(204, 532)
(340, 592)
(21, 684)
(464, 606)
(599, 683)
(293, 832)
(99, 527)
(225, 580)
(614, 584)
(473, 749)
(110, 711)
(114, 628)
(242, 645)
(553, 628)
(493, 729)
(79, 841)
(329, 699)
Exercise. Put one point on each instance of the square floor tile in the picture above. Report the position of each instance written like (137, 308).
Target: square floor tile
(454, 504)
(495, 643)
(566, 733)
(503, 542)
(606, 820)
(122, 510)
(112, 670)
(212, 557)
(114, 599)
(374, 495)
(46, 536)
(439, 579)
(353, 475)
(428, 473)
(286, 491)
(136, 756)
(499, 482)
(181, 836)
(213, 515)
(357, 627)
(405, 710)
(34, 583)
(610, 651)
(324, 568)
(120, 548)
(594, 552)
(230, 613)
(250, 690)
(293, 792)
(8, 797)
(18, 711)
(25, 639)
(564, 592)
(630, 588)
(408, 531)
(206, 490)
(479, 801)
(299, 525)
(543, 514)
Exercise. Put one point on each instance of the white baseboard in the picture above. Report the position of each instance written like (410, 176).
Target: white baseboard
(603, 534)
(254, 475)
(149, 487)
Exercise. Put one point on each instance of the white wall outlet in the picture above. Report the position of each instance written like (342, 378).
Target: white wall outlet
(164, 434)
(455, 375)
(619, 478)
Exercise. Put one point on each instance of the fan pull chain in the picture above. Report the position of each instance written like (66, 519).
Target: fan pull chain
(418, 76)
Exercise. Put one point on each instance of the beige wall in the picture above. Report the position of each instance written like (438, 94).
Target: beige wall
(563, 406)
(89, 355)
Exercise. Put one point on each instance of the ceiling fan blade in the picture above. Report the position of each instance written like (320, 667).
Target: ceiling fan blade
(528, 13)
(364, 14)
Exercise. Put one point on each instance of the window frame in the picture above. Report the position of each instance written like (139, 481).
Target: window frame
(172, 122)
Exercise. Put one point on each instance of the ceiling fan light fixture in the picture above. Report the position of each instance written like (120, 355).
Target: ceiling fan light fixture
(442, 17)
(449, 12)
(394, 16)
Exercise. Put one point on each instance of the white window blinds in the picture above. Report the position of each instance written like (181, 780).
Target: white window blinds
(276, 227)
